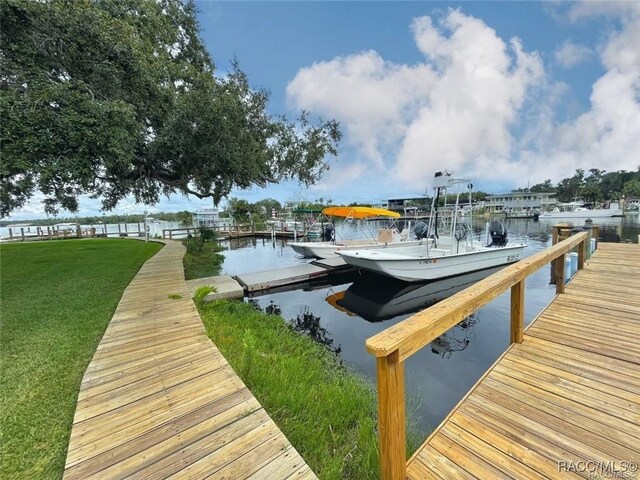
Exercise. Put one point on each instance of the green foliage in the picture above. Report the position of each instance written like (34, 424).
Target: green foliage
(207, 234)
(185, 218)
(175, 296)
(202, 258)
(595, 186)
(264, 207)
(119, 97)
(325, 410)
(202, 292)
(241, 210)
(57, 299)
(193, 244)
(632, 189)
(249, 343)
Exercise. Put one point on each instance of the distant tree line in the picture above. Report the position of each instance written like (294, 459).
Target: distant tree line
(183, 218)
(244, 211)
(595, 186)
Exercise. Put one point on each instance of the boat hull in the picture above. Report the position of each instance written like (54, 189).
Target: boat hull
(329, 250)
(414, 268)
(603, 213)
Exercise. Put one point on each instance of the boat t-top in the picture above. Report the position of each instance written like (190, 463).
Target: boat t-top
(386, 239)
(452, 250)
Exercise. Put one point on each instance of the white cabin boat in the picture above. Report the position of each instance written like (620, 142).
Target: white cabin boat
(387, 238)
(454, 253)
(582, 210)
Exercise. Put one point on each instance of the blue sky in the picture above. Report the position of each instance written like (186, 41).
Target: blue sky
(508, 93)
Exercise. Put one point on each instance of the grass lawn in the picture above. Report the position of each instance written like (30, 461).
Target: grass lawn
(326, 411)
(56, 299)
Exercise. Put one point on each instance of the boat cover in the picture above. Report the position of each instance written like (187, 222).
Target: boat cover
(359, 212)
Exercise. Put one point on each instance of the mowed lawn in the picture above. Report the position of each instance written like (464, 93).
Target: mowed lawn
(57, 298)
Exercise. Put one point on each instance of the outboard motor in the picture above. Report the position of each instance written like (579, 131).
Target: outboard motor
(328, 232)
(498, 234)
(420, 230)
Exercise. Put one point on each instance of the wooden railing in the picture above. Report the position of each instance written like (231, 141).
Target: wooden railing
(394, 345)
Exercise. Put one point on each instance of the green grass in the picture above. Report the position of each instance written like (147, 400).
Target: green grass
(203, 262)
(326, 411)
(57, 298)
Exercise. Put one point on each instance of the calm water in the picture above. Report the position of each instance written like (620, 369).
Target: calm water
(343, 316)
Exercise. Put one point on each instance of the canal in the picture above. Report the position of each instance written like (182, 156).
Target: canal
(357, 306)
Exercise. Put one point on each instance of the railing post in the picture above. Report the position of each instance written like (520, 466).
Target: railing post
(558, 269)
(391, 417)
(554, 240)
(582, 253)
(517, 312)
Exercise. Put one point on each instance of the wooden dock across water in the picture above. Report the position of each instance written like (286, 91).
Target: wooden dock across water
(562, 402)
(158, 399)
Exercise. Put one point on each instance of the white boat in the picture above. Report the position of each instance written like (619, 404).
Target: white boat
(387, 238)
(454, 253)
(376, 301)
(582, 210)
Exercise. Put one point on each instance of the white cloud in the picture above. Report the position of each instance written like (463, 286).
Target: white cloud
(607, 136)
(570, 54)
(459, 108)
(449, 111)
(585, 9)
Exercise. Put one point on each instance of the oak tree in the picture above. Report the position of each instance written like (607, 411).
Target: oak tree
(120, 97)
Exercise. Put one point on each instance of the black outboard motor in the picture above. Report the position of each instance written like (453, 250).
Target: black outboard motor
(420, 230)
(328, 232)
(498, 234)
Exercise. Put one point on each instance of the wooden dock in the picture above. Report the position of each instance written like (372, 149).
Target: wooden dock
(562, 402)
(293, 275)
(158, 399)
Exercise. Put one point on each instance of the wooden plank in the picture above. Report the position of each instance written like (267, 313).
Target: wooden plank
(157, 443)
(158, 397)
(283, 466)
(584, 355)
(253, 460)
(509, 464)
(536, 465)
(465, 459)
(438, 464)
(589, 444)
(591, 344)
(570, 409)
(569, 392)
(578, 367)
(418, 470)
(618, 399)
(530, 447)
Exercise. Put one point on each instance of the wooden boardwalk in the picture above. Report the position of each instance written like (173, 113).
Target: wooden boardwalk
(158, 399)
(569, 394)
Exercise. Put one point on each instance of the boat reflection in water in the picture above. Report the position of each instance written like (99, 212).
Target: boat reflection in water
(375, 299)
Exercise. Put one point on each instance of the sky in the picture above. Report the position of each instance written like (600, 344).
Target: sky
(506, 93)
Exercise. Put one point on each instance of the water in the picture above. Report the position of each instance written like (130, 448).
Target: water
(362, 305)
(155, 228)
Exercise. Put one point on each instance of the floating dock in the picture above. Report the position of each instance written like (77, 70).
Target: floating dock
(259, 281)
